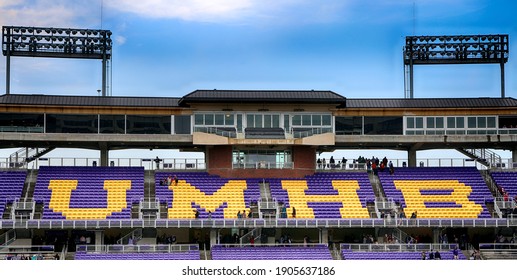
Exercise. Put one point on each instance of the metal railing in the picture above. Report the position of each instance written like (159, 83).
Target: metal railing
(402, 247)
(310, 131)
(147, 248)
(263, 165)
(22, 129)
(7, 238)
(253, 223)
(131, 238)
(147, 163)
(218, 131)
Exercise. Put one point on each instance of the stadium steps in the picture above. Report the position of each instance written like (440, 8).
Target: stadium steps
(30, 183)
(485, 157)
(265, 191)
(376, 185)
(7, 211)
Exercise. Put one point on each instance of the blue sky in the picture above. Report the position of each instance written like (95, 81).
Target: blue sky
(352, 47)
(173, 47)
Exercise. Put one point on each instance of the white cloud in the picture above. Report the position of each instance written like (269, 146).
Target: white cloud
(191, 10)
(54, 13)
(120, 40)
(242, 11)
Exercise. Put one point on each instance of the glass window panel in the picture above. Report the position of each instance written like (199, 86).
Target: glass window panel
(267, 121)
(383, 125)
(326, 120)
(276, 121)
(287, 127)
(112, 124)
(316, 120)
(306, 120)
(451, 122)
(258, 121)
(410, 122)
(439, 122)
(21, 122)
(219, 119)
(482, 122)
(239, 122)
(149, 124)
(471, 121)
(460, 122)
(199, 119)
(209, 119)
(229, 119)
(419, 122)
(490, 122)
(430, 122)
(297, 120)
(250, 120)
(57, 123)
(182, 124)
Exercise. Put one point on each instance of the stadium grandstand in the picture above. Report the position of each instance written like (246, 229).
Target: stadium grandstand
(262, 190)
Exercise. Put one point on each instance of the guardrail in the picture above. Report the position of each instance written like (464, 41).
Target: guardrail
(117, 248)
(403, 247)
(253, 223)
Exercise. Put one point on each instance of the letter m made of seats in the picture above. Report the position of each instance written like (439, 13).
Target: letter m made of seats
(184, 194)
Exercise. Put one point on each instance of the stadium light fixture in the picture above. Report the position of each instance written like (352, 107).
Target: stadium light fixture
(57, 43)
(457, 49)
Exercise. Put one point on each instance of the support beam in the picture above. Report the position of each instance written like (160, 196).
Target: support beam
(411, 157)
(514, 155)
(324, 236)
(104, 155)
(502, 80)
(214, 236)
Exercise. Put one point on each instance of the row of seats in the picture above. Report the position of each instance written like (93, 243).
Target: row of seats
(414, 188)
(188, 255)
(11, 187)
(317, 252)
(432, 192)
(103, 192)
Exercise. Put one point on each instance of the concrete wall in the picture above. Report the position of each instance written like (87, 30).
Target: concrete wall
(219, 159)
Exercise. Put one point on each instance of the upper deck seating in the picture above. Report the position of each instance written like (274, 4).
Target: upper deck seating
(325, 195)
(88, 192)
(315, 252)
(223, 197)
(506, 180)
(438, 192)
(11, 187)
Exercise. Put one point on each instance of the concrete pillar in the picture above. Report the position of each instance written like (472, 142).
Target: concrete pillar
(436, 235)
(214, 238)
(514, 155)
(104, 156)
(99, 239)
(324, 236)
(411, 157)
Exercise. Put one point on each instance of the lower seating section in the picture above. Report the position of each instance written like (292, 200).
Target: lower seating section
(212, 196)
(11, 187)
(355, 255)
(84, 193)
(325, 195)
(316, 252)
(438, 192)
(507, 181)
(188, 255)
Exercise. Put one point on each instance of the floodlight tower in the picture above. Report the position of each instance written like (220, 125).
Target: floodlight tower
(57, 43)
(462, 49)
